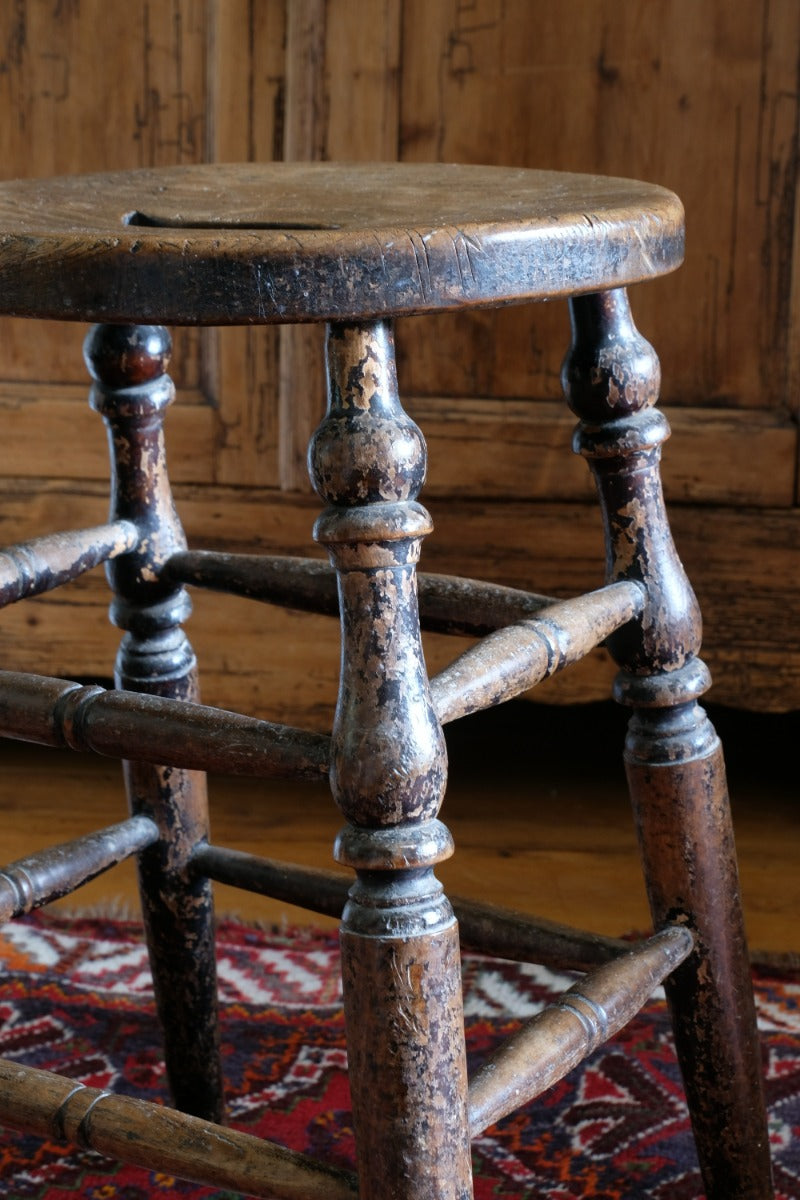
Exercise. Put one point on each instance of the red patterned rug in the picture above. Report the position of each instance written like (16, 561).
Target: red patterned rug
(75, 998)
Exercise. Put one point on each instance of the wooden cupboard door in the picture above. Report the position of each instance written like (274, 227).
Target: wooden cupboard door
(97, 87)
(697, 95)
(84, 88)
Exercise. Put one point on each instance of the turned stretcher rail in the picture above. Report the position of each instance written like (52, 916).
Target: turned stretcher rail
(447, 603)
(485, 928)
(44, 563)
(503, 933)
(60, 870)
(511, 660)
(548, 1046)
(131, 725)
(162, 1139)
(146, 728)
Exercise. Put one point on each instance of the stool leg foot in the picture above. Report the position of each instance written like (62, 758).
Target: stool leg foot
(683, 821)
(132, 391)
(400, 955)
(178, 916)
(611, 377)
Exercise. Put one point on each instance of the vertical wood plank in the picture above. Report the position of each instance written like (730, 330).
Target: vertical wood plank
(93, 87)
(701, 97)
(342, 102)
(363, 49)
(246, 69)
(301, 374)
(305, 130)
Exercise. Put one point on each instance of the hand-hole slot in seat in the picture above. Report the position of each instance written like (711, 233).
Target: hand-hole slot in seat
(164, 222)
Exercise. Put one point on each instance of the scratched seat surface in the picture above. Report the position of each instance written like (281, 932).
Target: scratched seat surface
(263, 243)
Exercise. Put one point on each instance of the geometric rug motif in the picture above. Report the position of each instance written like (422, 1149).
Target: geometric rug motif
(76, 997)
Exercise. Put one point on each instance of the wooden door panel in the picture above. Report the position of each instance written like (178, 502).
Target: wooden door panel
(698, 96)
(50, 432)
(51, 352)
(93, 87)
(509, 449)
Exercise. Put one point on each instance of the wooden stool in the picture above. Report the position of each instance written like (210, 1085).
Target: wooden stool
(355, 247)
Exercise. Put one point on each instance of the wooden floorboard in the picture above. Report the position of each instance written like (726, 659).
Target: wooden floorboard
(536, 803)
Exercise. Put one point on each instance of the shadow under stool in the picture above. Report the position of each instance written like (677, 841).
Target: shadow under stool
(355, 247)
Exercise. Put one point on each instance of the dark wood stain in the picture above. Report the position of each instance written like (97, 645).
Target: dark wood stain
(673, 756)
(352, 248)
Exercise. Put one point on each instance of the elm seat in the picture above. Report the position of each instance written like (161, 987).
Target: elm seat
(354, 246)
(248, 243)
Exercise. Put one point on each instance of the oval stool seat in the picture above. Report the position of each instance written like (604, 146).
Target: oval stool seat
(307, 242)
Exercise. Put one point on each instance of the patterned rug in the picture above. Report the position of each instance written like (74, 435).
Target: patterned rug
(75, 997)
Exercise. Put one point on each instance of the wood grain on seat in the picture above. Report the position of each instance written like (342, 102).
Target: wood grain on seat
(307, 242)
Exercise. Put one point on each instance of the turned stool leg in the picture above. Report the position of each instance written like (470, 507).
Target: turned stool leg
(131, 392)
(400, 954)
(673, 757)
